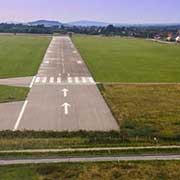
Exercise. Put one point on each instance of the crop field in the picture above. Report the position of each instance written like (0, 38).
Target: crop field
(113, 59)
(21, 55)
(109, 170)
(9, 94)
(146, 111)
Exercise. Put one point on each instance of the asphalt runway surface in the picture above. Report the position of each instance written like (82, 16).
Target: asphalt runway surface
(64, 95)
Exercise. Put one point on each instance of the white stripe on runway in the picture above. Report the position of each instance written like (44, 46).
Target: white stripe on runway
(91, 80)
(84, 80)
(37, 80)
(70, 80)
(58, 80)
(51, 80)
(20, 116)
(76, 80)
(44, 80)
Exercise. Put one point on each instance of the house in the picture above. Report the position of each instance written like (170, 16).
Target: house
(178, 39)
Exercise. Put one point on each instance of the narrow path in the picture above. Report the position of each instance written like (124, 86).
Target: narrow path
(92, 159)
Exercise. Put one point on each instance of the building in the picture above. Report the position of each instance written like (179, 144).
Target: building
(178, 39)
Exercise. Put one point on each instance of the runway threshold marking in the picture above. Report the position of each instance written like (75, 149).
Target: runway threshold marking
(20, 116)
(66, 107)
(52, 80)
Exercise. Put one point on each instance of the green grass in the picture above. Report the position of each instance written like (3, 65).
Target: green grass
(108, 170)
(57, 140)
(21, 55)
(113, 59)
(9, 94)
(104, 153)
(146, 111)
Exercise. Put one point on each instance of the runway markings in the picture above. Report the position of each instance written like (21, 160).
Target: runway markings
(51, 80)
(76, 80)
(70, 80)
(20, 116)
(66, 107)
(84, 80)
(37, 80)
(65, 91)
(32, 82)
(44, 80)
(60, 80)
(46, 62)
(79, 62)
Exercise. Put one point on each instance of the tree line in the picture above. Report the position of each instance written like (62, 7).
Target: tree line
(133, 31)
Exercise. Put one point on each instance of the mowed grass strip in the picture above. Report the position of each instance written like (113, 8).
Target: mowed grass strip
(21, 55)
(146, 111)
(114, 59)
(107, 170)
(9, 94)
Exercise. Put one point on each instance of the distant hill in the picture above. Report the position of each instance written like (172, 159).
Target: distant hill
(87, 23)
(46, 23)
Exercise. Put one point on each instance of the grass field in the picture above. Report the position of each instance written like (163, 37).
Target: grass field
(9, 94)
(129, 60)
(146, 110)
(112, 170)
(21, 55)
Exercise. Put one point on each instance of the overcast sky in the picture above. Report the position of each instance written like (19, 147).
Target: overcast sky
(117, 11)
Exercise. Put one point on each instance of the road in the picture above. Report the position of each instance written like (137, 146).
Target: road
(63, 95)
(92, 159)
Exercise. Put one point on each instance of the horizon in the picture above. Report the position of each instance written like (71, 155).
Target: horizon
(116, 11)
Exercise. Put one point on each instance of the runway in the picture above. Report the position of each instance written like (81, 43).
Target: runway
(64, 95)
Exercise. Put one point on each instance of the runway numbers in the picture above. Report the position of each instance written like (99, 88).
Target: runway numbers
(68, 80)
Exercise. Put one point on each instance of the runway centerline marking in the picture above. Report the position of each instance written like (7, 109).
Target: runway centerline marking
(66, 107)
(20, 116)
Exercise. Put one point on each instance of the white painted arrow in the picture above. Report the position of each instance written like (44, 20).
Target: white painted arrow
(65, 91)
(66, 106)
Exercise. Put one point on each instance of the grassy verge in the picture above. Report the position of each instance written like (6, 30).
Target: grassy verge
(146, 111)
(129, 60)
(9, 94)
(55, 140)
(107, 170)
(33, 155)
(21, 55)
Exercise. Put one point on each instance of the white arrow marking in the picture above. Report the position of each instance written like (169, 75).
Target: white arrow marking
(66, 106)
(65, 91)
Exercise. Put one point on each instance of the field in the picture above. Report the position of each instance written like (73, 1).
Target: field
(146, 111)
(8, 94)
(129, 60)
(112, 170)
(21, 55)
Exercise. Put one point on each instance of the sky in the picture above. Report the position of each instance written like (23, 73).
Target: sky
(111, 11)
